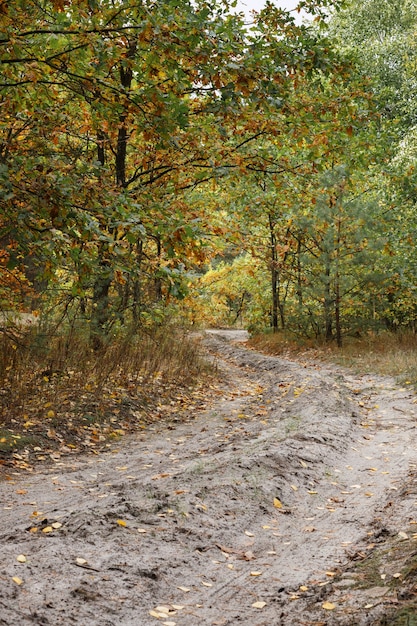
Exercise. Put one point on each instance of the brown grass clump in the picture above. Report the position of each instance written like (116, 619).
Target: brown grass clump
(393, 354)
(58, 396)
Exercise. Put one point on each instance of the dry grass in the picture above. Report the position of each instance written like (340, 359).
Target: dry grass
(393, 354)
(58, 394)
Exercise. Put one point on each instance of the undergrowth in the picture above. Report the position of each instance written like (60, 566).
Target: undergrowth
(59, 395)
(393, 354)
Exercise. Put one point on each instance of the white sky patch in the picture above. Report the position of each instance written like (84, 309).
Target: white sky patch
(248, 5)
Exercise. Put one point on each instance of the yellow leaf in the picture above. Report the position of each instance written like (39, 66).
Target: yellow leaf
(21, 558)
(17, 580)
(154, 614)
(158, 476)
(50, 414)
(162, 609)
(47, 529)
(184, 589)
(141, 530)
(56, 525)
(121, 522)
(169, 623)
(328, 606)
(80, 561)
(259, 605)
(277, 503)
(206, 584)
(249, 534)
(294, 487)
(256, 573)
(303, 588)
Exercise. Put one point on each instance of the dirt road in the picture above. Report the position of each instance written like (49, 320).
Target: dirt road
(273, 507)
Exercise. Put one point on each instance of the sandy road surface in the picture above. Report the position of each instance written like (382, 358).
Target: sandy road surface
(252, 512)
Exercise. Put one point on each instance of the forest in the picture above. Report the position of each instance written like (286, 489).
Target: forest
(170, 165)
(169, 159)
(205, 217)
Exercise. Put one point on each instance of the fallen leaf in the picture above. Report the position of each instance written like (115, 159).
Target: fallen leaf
(402, 535)
(47, 529)
(259, 605)
(56, 525)
(121, 522)
(80, 561)
(184, 589)
(178, 607)
(158, 476)
(256, 573)
(277, 503)
(21, 558)
(328, 606)
(154, 614)
(17, 580)
(206, 584)
(141, 530)
(169, 623)
(303, 588)
(162, 609)
(249, 534)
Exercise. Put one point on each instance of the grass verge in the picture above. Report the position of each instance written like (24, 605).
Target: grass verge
(393, 354)
(58, 397)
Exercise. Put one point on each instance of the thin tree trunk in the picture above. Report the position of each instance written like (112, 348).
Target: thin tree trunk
(337, 290)
(274, 275)
(328, 309)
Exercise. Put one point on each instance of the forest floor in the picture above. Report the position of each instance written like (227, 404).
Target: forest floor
(290, 499)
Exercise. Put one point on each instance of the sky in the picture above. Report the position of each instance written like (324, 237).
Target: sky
(248, 5)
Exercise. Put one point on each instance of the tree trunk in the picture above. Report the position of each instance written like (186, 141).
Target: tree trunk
(274, 275)
(328, 308)
(337, 290)
(100, 310)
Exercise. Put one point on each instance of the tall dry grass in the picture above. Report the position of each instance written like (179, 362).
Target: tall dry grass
(393, 354)
(44, 372)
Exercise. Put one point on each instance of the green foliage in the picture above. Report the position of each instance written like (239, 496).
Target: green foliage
(142, 144)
